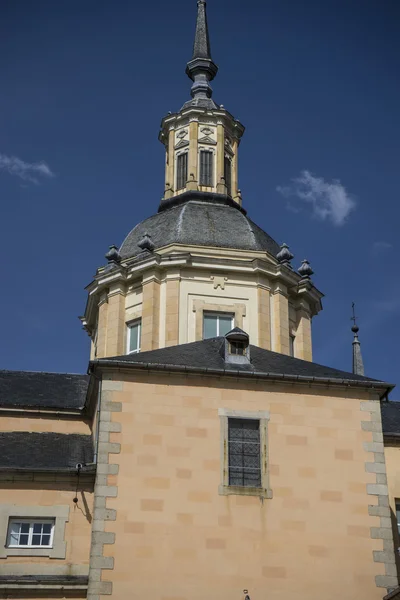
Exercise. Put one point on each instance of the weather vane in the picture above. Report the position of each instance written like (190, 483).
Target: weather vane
(354, 318)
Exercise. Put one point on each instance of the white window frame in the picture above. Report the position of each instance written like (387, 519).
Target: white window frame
(130, 325)
(210, 313)
(31, 523)
(58, 514)
(264, 491)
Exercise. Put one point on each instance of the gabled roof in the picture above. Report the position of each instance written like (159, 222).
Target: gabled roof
(391, 418)
(57, 391)
(44, 451)
(207, 356)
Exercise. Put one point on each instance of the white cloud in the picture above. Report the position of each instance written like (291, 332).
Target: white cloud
(328, 200)
(379, 247)
(24, 170)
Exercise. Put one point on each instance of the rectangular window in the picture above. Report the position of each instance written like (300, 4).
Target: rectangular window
(216, 324)
(181, 170)
(291, 345)
(244, 456)
(134, 336)
(30, 534)
(228, 174)
(206, 167)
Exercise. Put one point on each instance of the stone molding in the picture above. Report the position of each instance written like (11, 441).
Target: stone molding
(101, 514)
(380, 489)
(60, 515)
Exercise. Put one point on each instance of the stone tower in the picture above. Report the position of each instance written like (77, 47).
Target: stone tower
(200, 266)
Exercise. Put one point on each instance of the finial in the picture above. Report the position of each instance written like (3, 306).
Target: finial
(201, 68)
(284, 255)
(146, 243)
(358, 365)
(113, 255)
(305, 270)
(355, 329)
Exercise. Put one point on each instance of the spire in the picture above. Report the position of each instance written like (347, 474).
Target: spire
(201, 69)
(358, 365)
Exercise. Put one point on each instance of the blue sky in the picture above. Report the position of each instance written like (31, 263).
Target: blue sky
(84, 87)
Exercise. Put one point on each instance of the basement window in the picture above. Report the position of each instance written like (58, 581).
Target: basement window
(30, 533)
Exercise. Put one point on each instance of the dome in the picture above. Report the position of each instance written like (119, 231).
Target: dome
(200, 219)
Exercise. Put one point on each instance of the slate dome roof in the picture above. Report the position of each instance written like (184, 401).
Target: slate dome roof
(200, 219)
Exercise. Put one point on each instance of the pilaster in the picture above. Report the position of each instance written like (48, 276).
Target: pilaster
(170, 165)
(220, 179)
(172, 285)
(116, 321)
(303, 342)
(235, 178)
(102, 326)
(150, 311)
(280, 320)
(192, 183)
(264, 318)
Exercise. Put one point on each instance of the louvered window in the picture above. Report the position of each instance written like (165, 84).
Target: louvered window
(206, 167)
(244, 452)
(181, 170)
(228, 174)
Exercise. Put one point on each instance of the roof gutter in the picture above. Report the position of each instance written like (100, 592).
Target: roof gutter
(380, 386)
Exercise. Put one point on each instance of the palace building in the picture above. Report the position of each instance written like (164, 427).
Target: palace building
(204, 453)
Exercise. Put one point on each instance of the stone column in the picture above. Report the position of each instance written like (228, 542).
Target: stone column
(102, 326)
(303, 343)
(172, 309)
(150, 311)
(235, 182)
(280, 320)
(264, 318)
(170, 166)
(220, 180)
(193, 178)
(115, 344)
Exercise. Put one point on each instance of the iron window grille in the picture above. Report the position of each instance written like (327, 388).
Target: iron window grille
(181, 170)
(30, 534)
(244, 452)
(206, 167)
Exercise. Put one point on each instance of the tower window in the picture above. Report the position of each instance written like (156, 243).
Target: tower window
(244, 452)
(228, 174)
(134, 335)
(181, 170)
(216, 324)
(206, 167)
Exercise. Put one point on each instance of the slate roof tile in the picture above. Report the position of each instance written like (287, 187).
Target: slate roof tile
(27, 389)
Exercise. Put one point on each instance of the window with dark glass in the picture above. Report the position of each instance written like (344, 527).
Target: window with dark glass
(228, 174)
(181, 170)
(237, 348)
(206, 167)
(244, 452)
(30, 534)
(398, 515)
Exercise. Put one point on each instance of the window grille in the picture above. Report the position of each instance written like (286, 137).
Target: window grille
(30, 534)
(134, 336)
(244, 452)
(181, 170)
(206, 167)
(228, 174)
